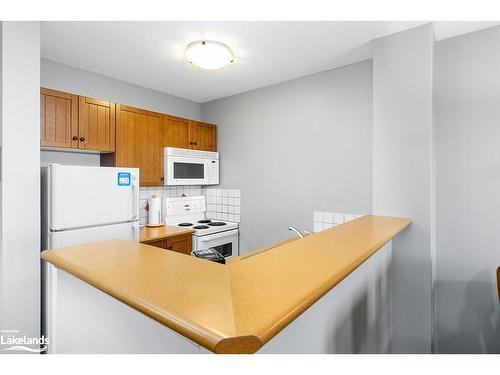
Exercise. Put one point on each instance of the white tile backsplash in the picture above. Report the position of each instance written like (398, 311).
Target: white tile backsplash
(318, 216)
(349, 217)
(328, 217)
(338, 218)
(326, 220)
(318, 226)
(165, 192)
(223, 204)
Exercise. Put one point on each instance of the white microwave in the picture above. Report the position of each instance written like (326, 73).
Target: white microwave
(190, 167)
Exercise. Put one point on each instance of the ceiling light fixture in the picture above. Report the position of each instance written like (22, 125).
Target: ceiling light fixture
(209, 54)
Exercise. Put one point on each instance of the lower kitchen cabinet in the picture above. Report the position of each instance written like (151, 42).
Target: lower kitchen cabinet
(180, 244)
(157, 243)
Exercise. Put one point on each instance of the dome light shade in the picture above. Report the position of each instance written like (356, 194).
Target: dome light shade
(209, 54)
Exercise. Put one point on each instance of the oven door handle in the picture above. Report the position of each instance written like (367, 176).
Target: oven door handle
(217, 236)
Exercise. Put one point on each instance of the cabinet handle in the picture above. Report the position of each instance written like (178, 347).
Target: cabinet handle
(82, 139)
(191, 143)
(195, 143)
(163, 178)
(75, 138)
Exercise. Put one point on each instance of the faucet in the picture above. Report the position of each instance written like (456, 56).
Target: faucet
(296, 231)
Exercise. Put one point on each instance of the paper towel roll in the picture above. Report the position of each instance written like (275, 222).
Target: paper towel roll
(154, 213)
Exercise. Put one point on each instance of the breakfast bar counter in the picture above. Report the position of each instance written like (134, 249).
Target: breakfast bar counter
(232, 308)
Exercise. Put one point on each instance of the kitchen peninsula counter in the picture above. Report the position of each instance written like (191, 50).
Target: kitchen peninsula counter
(233, 308)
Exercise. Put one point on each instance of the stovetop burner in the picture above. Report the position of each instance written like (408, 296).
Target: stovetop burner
(185, 224)
(200, 227)
(204, 221)
(216, 223)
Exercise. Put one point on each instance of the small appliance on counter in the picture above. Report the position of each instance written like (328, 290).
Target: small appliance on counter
(211, 255)
(189, 212)
(154, 212)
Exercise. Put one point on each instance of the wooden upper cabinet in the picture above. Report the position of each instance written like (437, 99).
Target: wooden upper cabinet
(202, 136)
(78, 122)
(126, 136)
(139, 143)
(58, 119)
(184, 133)
(176, 132)
(96, 122)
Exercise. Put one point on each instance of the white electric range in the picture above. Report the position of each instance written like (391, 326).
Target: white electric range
(189, 212)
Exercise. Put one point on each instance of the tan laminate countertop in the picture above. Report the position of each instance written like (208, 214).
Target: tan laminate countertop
(148, 234)
(233, 308)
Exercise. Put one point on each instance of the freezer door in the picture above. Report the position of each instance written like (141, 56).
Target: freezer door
(89, 196)
(125, 231)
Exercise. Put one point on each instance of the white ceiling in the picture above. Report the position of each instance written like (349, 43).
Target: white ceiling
(151, 54)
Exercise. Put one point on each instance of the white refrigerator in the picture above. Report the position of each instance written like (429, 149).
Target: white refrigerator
(85, 204)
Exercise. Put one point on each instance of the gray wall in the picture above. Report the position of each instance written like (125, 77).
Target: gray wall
(69, 158)
(402, 174)
(467, 100)
(296, 147)
(20, 178)
(67, 78)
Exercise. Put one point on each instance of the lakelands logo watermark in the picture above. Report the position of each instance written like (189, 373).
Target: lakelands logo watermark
(12, 341)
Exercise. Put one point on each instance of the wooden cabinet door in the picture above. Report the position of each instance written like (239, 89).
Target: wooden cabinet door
(139, 143)
(157, 243)
(176, 132)
(202, 136)
(96, 124)
(58, 119)
(180, 244)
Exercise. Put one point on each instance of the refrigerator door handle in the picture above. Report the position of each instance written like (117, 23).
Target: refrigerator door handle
(135, 215)
(135, 227)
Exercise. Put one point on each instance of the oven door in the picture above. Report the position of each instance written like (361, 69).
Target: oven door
(225, 243)
(185, 171)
